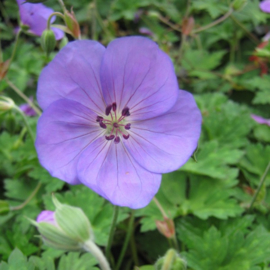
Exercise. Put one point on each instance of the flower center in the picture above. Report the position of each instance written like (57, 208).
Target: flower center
(115, 124)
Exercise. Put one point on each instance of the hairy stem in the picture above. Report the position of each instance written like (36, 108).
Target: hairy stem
(91, 247)
(210, 25)
(160, 207)
(114, 221)
(260, 186)
(23, 96)
(54, 14)
(32, 195)
(124, 248)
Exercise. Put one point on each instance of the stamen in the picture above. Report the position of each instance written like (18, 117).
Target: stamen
(114, 106)
(115, 125)
(102, 125)
(117, 140)
(125, 112)
(110, 137)
(108, 109)
(99, 118)
(127, 126)
(126, 136)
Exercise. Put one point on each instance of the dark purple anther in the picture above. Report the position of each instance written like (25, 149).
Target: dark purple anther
(117, 140)
(99, 119)
(110, 137)
(114, 106)
(127, 126)
(102, 125)
(125, 112)
(108, 109)
(126, 136)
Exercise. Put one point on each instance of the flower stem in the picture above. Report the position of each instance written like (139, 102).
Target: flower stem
(62, 4)
(26, 122)
(128, 234)
(114, 220)
(160, 207)
(251, 36)
(23, 96)
(210, 25)
(54, 14)
(91, 247)
(15, 48)
(35, 191)
(260, 186)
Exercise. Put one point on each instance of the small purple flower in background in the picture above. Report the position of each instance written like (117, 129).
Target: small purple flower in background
(145, 31)
(260, 119)
(27, 109)
(114, 119)
(265, 6)
(35, 16)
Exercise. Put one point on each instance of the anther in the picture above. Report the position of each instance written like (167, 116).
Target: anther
(108, 109)
(127, 126)
(125, 112)
(110, 137)
(117, 140)
(99, 118)
(114, 106)
(102, 125)
(126, 136)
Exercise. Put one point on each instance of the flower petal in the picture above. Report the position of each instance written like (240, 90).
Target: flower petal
(137, 74)
(74, 74)
(64, 130)
(165, 143)
(260, 119)
(265, 6)
(109, 170)
(46, 216)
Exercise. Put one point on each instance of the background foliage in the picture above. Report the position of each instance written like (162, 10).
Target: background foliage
(209, 200)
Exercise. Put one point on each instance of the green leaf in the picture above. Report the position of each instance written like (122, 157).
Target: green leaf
(254, 163)
(213, 161)
(75, 261)
(214, 7)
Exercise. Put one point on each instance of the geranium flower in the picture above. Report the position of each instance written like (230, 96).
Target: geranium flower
(35, 16)
(115, 119)
(265, 6)
(27, 109)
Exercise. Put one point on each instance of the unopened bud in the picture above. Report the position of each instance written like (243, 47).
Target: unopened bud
(171, 261)
(153, 14)
(67, 228)
(4, 68)
(72, 24)
(166, 227)
(187, 25)
(48, 41)
(6, 104)
(238, 4)
(4, 208)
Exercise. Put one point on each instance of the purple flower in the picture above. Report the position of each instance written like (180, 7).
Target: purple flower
(47, 216)
(145, 31)
(265, 6)
(27, 109)
(260, 119)
(115, 119)
(35, 16)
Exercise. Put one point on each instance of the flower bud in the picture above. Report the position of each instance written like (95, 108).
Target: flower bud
(238, 4)
(166, 227)
(6, 104)
(48, 41)
(187, 25)
(4, 68)
(4, 208)
(72, 24)
(171, 261)
(67, 228)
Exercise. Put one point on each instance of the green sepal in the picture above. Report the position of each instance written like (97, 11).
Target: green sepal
(48, 41)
